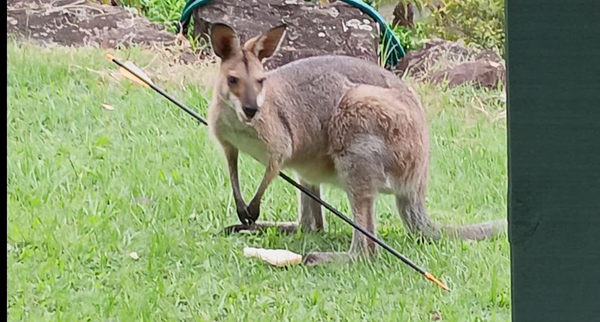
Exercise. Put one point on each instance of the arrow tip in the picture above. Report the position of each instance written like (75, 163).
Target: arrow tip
(436, 281)
(109, 57)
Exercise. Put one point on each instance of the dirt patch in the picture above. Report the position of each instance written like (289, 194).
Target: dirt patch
(83, 23)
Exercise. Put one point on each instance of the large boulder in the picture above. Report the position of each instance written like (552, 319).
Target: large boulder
(440, 60)
(79, 23)
(84, 23)
(480, 73)
(313, 30)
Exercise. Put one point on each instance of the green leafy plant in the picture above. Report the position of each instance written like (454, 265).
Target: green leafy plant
(411, 38)
(475, 21)
(166, 12)
(478, 22)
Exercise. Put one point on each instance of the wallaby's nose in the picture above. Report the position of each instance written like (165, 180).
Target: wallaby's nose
(250, 110)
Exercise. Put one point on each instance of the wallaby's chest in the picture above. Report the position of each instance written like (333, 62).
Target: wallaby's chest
(241, 136)
(249, 145)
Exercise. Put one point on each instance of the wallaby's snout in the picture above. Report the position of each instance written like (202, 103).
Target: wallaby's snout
(250, 110)
(243, 87)
(248, 97)
(242, 73)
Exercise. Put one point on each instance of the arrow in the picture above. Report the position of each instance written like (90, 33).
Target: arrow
(138, 76)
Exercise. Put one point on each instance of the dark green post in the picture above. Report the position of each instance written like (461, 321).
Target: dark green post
(553, 64)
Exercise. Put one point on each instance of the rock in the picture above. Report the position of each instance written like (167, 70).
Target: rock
(440, 58)
(72, 22)
(482, 73)
(313, 30)
(82, 23)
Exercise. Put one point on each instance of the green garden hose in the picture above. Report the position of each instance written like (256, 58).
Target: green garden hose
(392, 49)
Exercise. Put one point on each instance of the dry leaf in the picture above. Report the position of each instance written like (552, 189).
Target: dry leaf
(275, 257)
(108, 107)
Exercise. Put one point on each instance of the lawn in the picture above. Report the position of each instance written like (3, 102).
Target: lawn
(87, 186)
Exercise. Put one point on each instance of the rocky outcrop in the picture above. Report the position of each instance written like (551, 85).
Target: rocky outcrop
(480, 73)
(78, 23)
(334, 28)
(440, 60)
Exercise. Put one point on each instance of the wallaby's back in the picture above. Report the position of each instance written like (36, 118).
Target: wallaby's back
(321, 81)
(308, 91)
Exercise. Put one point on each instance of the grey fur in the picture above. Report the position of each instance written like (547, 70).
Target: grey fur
(341, 121)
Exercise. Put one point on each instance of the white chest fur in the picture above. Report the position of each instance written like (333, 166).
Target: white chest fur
(241, 136)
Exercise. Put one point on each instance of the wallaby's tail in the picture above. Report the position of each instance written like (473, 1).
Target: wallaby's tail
(475, 232)
(415, 217)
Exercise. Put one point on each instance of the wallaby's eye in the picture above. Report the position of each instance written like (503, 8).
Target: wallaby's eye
(231, 81)
(261, 81)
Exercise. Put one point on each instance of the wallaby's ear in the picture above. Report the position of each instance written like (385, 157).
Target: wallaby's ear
(263, 46)
(224, 40)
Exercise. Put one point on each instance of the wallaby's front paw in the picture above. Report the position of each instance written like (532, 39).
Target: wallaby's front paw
(253, 211)
(244, 215)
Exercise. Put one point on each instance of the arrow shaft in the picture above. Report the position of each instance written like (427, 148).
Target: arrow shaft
(304, 190)
(161, 92)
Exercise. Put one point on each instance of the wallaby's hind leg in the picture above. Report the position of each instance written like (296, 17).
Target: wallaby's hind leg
(362, 209)
(362, 203)
(310, 213)
(360, 173)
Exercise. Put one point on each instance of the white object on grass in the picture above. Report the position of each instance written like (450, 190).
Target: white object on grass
(275, 257)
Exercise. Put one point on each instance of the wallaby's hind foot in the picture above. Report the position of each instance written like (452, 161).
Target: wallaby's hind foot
(286, 227)
(317, 258)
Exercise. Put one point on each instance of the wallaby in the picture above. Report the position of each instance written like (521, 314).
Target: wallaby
(333, 120)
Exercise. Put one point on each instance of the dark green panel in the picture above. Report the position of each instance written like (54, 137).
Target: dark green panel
(553, 65)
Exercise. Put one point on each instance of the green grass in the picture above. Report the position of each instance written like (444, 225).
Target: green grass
(164, 12)
(74, 169)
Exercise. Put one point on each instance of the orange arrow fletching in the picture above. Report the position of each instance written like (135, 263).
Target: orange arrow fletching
(138, 80)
